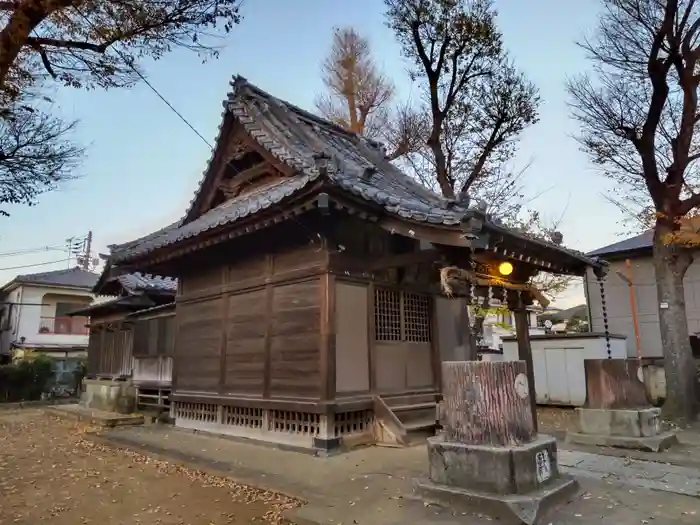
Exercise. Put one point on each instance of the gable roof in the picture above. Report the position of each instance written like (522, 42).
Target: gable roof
(143, 282)
(132, 283)
(320, 152)
(643, 241)
(74, 278)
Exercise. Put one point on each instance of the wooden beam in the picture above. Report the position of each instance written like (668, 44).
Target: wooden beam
(405, 259)
(233, 186)
(438, 235)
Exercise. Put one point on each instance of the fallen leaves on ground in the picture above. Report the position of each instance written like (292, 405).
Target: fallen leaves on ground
(556, 419)
(51, 469)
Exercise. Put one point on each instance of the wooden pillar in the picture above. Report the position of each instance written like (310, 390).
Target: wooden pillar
(522, 332)
(485, 403)
(327, 337)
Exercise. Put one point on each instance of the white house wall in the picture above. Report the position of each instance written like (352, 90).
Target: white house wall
(30, 312)
(620, 311)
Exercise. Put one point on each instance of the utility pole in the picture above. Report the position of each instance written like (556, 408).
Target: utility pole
(88, 250)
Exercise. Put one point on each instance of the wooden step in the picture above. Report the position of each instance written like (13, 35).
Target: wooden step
(410, 399)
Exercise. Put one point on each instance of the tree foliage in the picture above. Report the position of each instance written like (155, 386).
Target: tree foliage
(360, 98)
(81, 44)
(478, 104)
(639, 116)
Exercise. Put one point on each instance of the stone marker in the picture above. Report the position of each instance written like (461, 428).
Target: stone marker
(617, 411)
(488, 457)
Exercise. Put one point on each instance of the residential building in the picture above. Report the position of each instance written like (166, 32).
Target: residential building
(501, 323)
(34, 316)
(620, 296)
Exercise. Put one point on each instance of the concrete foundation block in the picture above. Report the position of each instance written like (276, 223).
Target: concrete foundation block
(109, 396)
(531, 508)
(656, 443)
(521, 481)
(638, 429)
(644, 422)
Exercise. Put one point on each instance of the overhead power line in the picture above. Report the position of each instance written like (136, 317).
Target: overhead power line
(29, 251)
(36, 264)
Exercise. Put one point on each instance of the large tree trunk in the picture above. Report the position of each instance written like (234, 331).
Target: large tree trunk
(671, 264)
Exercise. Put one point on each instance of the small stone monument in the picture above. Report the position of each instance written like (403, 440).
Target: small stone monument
(488, 457)
(617, 411)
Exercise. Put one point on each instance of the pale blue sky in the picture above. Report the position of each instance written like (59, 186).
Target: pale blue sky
(143, 163)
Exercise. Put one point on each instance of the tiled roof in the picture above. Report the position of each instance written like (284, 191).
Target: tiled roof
(137, 282)
(638, 242)
(70, 278)
(297, 138)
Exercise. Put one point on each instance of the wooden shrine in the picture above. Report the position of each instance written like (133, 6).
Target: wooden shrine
(310, 308)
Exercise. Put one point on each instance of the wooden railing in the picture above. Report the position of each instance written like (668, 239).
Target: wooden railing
(63, 325)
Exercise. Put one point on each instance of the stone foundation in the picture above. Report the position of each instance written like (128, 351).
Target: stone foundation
(521, 481)
(625, 428)
(108, 396)
(320, 433)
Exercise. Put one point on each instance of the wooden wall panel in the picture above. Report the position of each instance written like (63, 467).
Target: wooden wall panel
(198, 345)
(245, 343)
(298, 258)
(204, 278)
(351, 345)
(246, 269)
(294, 340)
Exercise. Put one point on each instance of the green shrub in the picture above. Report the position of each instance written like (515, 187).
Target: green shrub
(25, 380)
(78, 375)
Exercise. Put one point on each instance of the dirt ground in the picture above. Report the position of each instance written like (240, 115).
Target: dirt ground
(49, 473)
(555, 420)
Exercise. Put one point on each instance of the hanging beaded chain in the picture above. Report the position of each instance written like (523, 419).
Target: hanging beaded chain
(604, 308)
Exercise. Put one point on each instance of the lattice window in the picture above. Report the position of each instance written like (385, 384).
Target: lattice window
(402, 316)
(416, 317)
(387, 315)
(355, 422)
(204, 412)
(295, 422)
(243, 417)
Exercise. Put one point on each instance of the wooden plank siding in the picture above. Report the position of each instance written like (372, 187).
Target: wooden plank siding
(109, 347)
(252, 328)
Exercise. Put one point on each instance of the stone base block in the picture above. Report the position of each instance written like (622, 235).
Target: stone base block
(643, 422)
(638, 429)
(656, 443)
(92, 417)
(109, 396)
(493, 469)
(530, 509)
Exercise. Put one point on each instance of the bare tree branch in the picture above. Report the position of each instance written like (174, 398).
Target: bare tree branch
(477, 103)
(73, 36)
(36, 156)
(639, 117)
(359, 97)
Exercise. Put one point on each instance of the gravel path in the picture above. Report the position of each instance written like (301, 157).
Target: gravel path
(50, 474)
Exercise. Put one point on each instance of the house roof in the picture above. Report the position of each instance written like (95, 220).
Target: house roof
(298, 139)
(643, 241)
(143, 282)
(75, 278)
(113, 281)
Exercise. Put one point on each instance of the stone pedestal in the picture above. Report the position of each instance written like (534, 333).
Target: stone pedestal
(617, 411)
(489, 459)
(108, 396)
(639, 429)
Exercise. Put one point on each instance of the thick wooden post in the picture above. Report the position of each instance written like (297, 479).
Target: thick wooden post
(486, 403)
(522, 333)
(615, 384)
